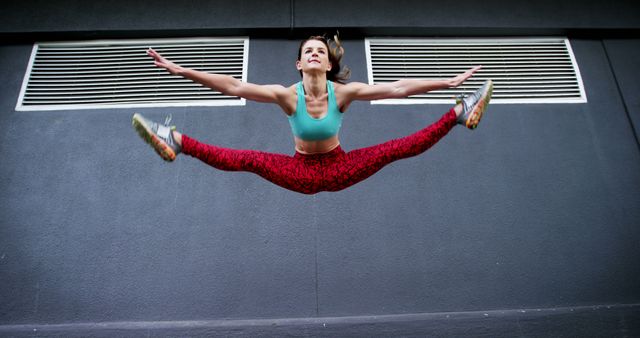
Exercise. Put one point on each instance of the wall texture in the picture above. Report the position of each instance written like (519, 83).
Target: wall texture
(538, 208)
(29, 19)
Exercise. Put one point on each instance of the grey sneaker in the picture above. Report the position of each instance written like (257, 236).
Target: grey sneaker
(474, 105)
(160, 137)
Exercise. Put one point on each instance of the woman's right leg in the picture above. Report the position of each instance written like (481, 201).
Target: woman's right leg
(283, 170)
(293, 173)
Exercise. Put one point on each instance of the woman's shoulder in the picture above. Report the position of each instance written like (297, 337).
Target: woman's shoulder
(349, 84)
(345, 92)
(349, 87)
(284, 91)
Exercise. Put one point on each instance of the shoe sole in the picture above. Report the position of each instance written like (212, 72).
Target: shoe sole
(480, 107)
(161, 147)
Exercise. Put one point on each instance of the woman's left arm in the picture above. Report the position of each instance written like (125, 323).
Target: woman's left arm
(400, 89)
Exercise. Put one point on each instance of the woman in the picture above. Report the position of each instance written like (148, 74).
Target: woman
(314, 107)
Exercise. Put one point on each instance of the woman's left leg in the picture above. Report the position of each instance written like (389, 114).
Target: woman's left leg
(357, 165)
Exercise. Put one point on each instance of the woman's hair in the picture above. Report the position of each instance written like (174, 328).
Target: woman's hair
(338, 73)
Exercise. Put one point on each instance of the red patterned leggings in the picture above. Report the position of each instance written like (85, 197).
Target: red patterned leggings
(331, 171)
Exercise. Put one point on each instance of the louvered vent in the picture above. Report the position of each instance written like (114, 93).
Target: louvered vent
(104, 74)
(524, 70)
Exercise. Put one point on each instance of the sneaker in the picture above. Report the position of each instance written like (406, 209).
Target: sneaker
(160, 137)
(474, 105)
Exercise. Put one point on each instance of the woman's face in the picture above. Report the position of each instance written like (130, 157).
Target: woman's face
(314, 57)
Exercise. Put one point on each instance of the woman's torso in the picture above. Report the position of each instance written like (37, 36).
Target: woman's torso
(317, 108)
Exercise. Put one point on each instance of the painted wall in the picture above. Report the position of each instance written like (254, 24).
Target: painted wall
(537, 208)
(42, 19)
(624, 55)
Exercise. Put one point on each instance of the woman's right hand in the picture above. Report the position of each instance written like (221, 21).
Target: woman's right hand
(161, 62)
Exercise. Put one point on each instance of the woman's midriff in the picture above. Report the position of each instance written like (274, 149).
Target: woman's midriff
(316, 147)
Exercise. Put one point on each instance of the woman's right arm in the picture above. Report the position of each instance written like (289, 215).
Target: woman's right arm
(225, 84)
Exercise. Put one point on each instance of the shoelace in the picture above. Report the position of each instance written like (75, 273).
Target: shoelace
(465, 109)
(170, 140)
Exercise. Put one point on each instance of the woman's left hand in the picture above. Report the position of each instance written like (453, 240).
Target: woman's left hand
(458, 80)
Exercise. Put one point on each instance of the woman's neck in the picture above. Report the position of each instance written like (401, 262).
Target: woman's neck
(315, 85)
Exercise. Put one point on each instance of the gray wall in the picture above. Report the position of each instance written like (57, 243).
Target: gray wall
(624, 55)
(538, 208)
(44, 19)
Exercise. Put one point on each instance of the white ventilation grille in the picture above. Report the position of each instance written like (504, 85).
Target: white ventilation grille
(119, 73)
(524, 70)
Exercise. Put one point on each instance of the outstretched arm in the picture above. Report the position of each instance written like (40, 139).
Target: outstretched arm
(402, 88)
(225, 84)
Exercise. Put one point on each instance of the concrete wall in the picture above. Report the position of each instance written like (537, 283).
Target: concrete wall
(538, 208)
(625, 60)
(43, 19)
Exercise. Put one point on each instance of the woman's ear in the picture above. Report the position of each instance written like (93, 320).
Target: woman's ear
(298, 65)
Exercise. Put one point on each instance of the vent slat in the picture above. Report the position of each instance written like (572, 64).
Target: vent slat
(120, 91)
(149, 81)
(124, 71)
(136, 50)
(140, 61)
(118, 72)
(167, 99)
(63, 97)
(521, 68)
(486, 63)
(179, 45)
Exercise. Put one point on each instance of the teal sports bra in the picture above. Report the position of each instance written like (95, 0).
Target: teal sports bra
(308, 128)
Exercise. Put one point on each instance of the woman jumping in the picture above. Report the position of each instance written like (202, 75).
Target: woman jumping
(314, 107)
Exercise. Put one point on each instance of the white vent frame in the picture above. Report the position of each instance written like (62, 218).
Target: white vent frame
(141, 65)
(489, 70)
